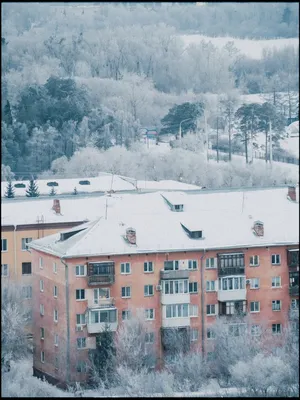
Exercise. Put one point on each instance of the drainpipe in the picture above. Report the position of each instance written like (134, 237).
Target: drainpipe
(202, 302)
(68, 318)
(15, 250)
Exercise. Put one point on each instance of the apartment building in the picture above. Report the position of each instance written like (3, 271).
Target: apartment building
(182, 266)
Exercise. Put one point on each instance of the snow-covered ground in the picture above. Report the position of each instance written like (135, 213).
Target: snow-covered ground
(251, 48)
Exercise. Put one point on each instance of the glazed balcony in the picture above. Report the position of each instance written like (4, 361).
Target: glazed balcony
(294, 290)
(231, 264)
(293, 258)
(174, 274)
(102, 273)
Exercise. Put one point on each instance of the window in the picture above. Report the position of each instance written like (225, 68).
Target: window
(236, 329)
(193, 310)
(295, 304)
(101, 293)
(210, 334)
(55, 267)
(25, 241)
(42, 332)
(192, 264)
(255, 330)
(148, 267)
(148, 290)
(27, 292)
(41, 285)
(80, 294)
(276, 329)
(175, 286)
(80, 270)
(233, 283)
(42, 356)
(41, 262)
(4, 269)
(276, 281)
(210, 286)
(56, 363)
(126, 291)
(80, 319)
(171, 265)
(3, 245)
(81, 343)
(56, 339)
(193, 287)
(81, 366)
(101, 316)
(276, 305)
(26, 268)
(254, 261)
(149, 337)
(150, 313)
(254, 306)
(211, 263)
(126, 314)
(42, 309)
(211, 309)
(177, 310)
(275, 258)
(125, 268)
(233, 307)
(254, 283)
(194, 335)
(55, 291)
(55, 315)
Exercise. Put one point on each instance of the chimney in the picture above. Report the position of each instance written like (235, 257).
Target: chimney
(292, 193)
(258, 228)
(56, 206)
(131, 235)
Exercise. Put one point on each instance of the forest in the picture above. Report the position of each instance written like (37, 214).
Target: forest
(77, 76)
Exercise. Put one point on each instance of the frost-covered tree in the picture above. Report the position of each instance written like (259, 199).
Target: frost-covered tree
(10, 192)
(32, 189)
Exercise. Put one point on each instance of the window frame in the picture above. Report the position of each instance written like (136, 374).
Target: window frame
(126, 296)
(210, 306)
(126, 313)
(55, 291)
(55, 315)
(41, 262)
(4, 240)
(210, 334)
(55, 339)
(82, 341)
(194, 338)
(275, 256)
(149, 335)
(275, 278)
(193, 307)
(146, 267)
(209, 284)
(192, 285)
(24, 241)
(147, 290)
(255, 308)
(252, 280)
(42, 285)
(3, 266)
(42, 357)
(148, 314)
(192, 265)
(80, 291)
(276, 333)
(276, 303)
(54, 266)
(42, 310)
(78, 268)
(80, 318)
(208, 263)
(42, 333)
(26, 263)
(253, 264)
(124, 266)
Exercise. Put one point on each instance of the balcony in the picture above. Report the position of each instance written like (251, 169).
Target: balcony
(101, 273)
(101, 302)
(178, 298)
(175, 274)
(294, 290)
(231, 295)
(231, 264)
(233, 309)
(99, 318)
(175, 322)
(293, 258)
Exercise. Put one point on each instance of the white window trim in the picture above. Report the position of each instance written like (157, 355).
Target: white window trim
(211, 290)
(84, 295)
(148, 272)
(251, 283)
(253, 312)
(55, 320)
(280, 305)
(276, 287)
(275, 256)
(193, 306)
(125, 273)
(149, 295)
(192, 261)
(215, 263)
(54, 267)
(150, 319)
(41, 262)
(55, 295)
(42, 358)
(216, 310)
(81, 348)
(178, 305)
(7, 275)
(25, 243)
(56, 342)
(42, 337)
(4, 251)
(41, 285)
(127, 313)
(277, 333)
(42, 309)
(84, 270)
(126, 297)
(254, 265)
(192, 337)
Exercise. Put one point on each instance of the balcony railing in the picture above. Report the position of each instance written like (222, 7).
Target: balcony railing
(101, 302)
(176, 274)
(223, 271)
(101, 279)
(294, 290)
(231, 264)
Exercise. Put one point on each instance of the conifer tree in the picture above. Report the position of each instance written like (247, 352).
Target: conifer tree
(52, 192)
(75, 191)
(7, 117)
(32, 190)
(10, 192)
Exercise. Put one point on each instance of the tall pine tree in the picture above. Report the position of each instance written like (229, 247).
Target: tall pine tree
(32, 190)
(10, 192)
(7, 117)
(52, 192)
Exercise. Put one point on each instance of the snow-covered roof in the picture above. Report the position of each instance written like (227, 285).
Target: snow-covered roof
(175, 198)
(103, 183)
(226, 220)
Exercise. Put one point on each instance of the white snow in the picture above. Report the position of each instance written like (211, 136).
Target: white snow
(226, 220)
(251, 48)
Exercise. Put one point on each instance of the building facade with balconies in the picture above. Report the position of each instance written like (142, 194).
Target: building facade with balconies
(98, 273)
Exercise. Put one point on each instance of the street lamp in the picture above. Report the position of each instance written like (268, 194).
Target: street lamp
(179, 133)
